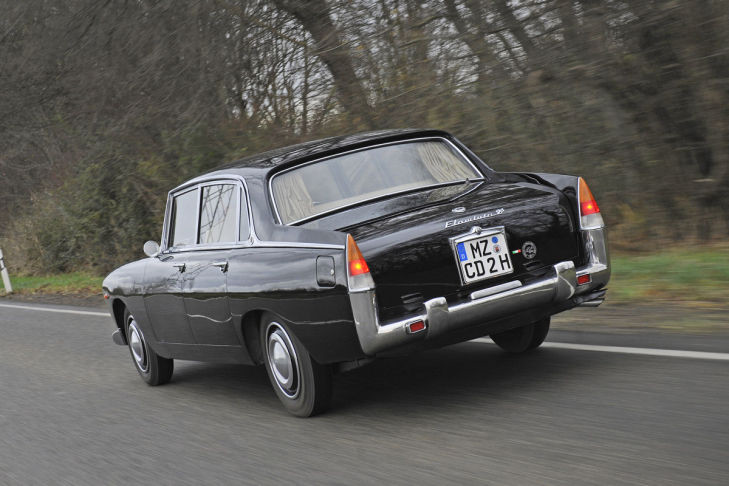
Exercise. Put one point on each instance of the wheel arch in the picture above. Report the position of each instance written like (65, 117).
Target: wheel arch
(249, 331)
(118, 308)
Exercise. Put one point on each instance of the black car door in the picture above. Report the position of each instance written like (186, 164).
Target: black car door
(164, 274)
(204, 281)
(163, 299)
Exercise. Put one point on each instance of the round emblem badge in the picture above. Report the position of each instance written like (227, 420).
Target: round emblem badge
(459, 209)
(529, 250)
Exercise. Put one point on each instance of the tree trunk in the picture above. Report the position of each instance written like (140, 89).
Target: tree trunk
(316, 18)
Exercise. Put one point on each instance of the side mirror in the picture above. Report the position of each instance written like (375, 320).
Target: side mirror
(151, 249)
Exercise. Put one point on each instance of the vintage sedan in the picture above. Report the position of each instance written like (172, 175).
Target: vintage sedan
(317, 258)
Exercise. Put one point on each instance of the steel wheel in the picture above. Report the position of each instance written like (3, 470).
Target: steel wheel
(303, 386)
(153, 368)
(137, 346)
(282, 360)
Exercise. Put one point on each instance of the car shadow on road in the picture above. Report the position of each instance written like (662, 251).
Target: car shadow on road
(468, 374)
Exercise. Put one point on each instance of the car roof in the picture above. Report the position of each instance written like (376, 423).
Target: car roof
(262, 163)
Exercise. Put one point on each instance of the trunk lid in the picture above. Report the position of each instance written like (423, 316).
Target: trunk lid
(406, 239)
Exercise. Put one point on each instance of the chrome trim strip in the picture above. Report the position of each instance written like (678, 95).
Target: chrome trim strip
(258, 244)
(439, 317)
(294, 244)
(495, 289)
(397, 142)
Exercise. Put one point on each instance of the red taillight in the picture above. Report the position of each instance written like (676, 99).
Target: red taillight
(588, 205)
(355, 260)
(590, 217)
(584, 279)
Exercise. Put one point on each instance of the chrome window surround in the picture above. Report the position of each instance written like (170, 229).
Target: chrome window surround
(253, 240)
(370, 147)
(171, 202)
(197, 185)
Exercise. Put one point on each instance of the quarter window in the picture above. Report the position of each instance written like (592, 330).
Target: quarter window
(184, 214)
(218, 213)
(245, 229)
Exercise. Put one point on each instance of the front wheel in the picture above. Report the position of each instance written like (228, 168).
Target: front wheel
(523, 338)
(153, 368)
(303, 385)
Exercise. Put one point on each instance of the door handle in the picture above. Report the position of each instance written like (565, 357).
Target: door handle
(223, 266)
(179, 266)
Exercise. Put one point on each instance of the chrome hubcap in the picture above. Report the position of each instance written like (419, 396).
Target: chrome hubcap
(282, 360)
(137, 345)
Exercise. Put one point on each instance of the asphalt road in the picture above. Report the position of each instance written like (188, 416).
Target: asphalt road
(73, 411)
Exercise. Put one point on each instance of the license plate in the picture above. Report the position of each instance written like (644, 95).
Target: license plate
(482, 255)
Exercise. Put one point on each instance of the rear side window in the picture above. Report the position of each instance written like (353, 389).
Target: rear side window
(184, 219)
(219, 214)
(245, 227)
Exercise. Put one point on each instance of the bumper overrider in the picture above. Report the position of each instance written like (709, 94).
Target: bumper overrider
(489, 303)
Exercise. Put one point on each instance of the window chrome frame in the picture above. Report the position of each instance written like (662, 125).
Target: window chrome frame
(196, 185)
(170, 204)
(453, 146)
(238, 208)
(253, 241)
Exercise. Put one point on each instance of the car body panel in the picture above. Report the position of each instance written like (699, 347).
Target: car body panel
(206, 312)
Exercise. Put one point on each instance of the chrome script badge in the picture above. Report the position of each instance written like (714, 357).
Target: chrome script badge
(475, 217)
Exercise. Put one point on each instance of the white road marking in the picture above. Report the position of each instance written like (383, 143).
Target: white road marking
(672, 353)
(48, 309)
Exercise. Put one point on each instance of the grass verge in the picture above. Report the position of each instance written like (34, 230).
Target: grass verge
(67, 283)
(686, 275)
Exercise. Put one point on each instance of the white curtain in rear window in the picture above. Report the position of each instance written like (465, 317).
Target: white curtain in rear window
(349, 179)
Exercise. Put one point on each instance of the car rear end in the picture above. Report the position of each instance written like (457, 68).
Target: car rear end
(483, 252)
(529, 258)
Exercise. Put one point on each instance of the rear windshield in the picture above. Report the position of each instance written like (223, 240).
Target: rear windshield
(345, 180)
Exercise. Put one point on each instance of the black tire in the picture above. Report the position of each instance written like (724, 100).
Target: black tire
(541, 329)
(523, 338)
(154, 369)
(303, 386)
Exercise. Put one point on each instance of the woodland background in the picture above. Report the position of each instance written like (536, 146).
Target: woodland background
(107, 104)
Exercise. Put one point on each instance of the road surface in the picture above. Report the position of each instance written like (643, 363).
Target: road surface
(73, 411)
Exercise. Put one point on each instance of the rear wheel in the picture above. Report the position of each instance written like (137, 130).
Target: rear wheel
(303, 385)
(154, 369)
(523, 338)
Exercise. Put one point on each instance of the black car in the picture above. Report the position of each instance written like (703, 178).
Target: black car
(319, 257)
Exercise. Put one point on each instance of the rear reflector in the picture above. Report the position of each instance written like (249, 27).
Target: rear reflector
(584, 279)
(416, 326)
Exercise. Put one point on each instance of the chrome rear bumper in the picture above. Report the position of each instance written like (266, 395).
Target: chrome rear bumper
(439, 317)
